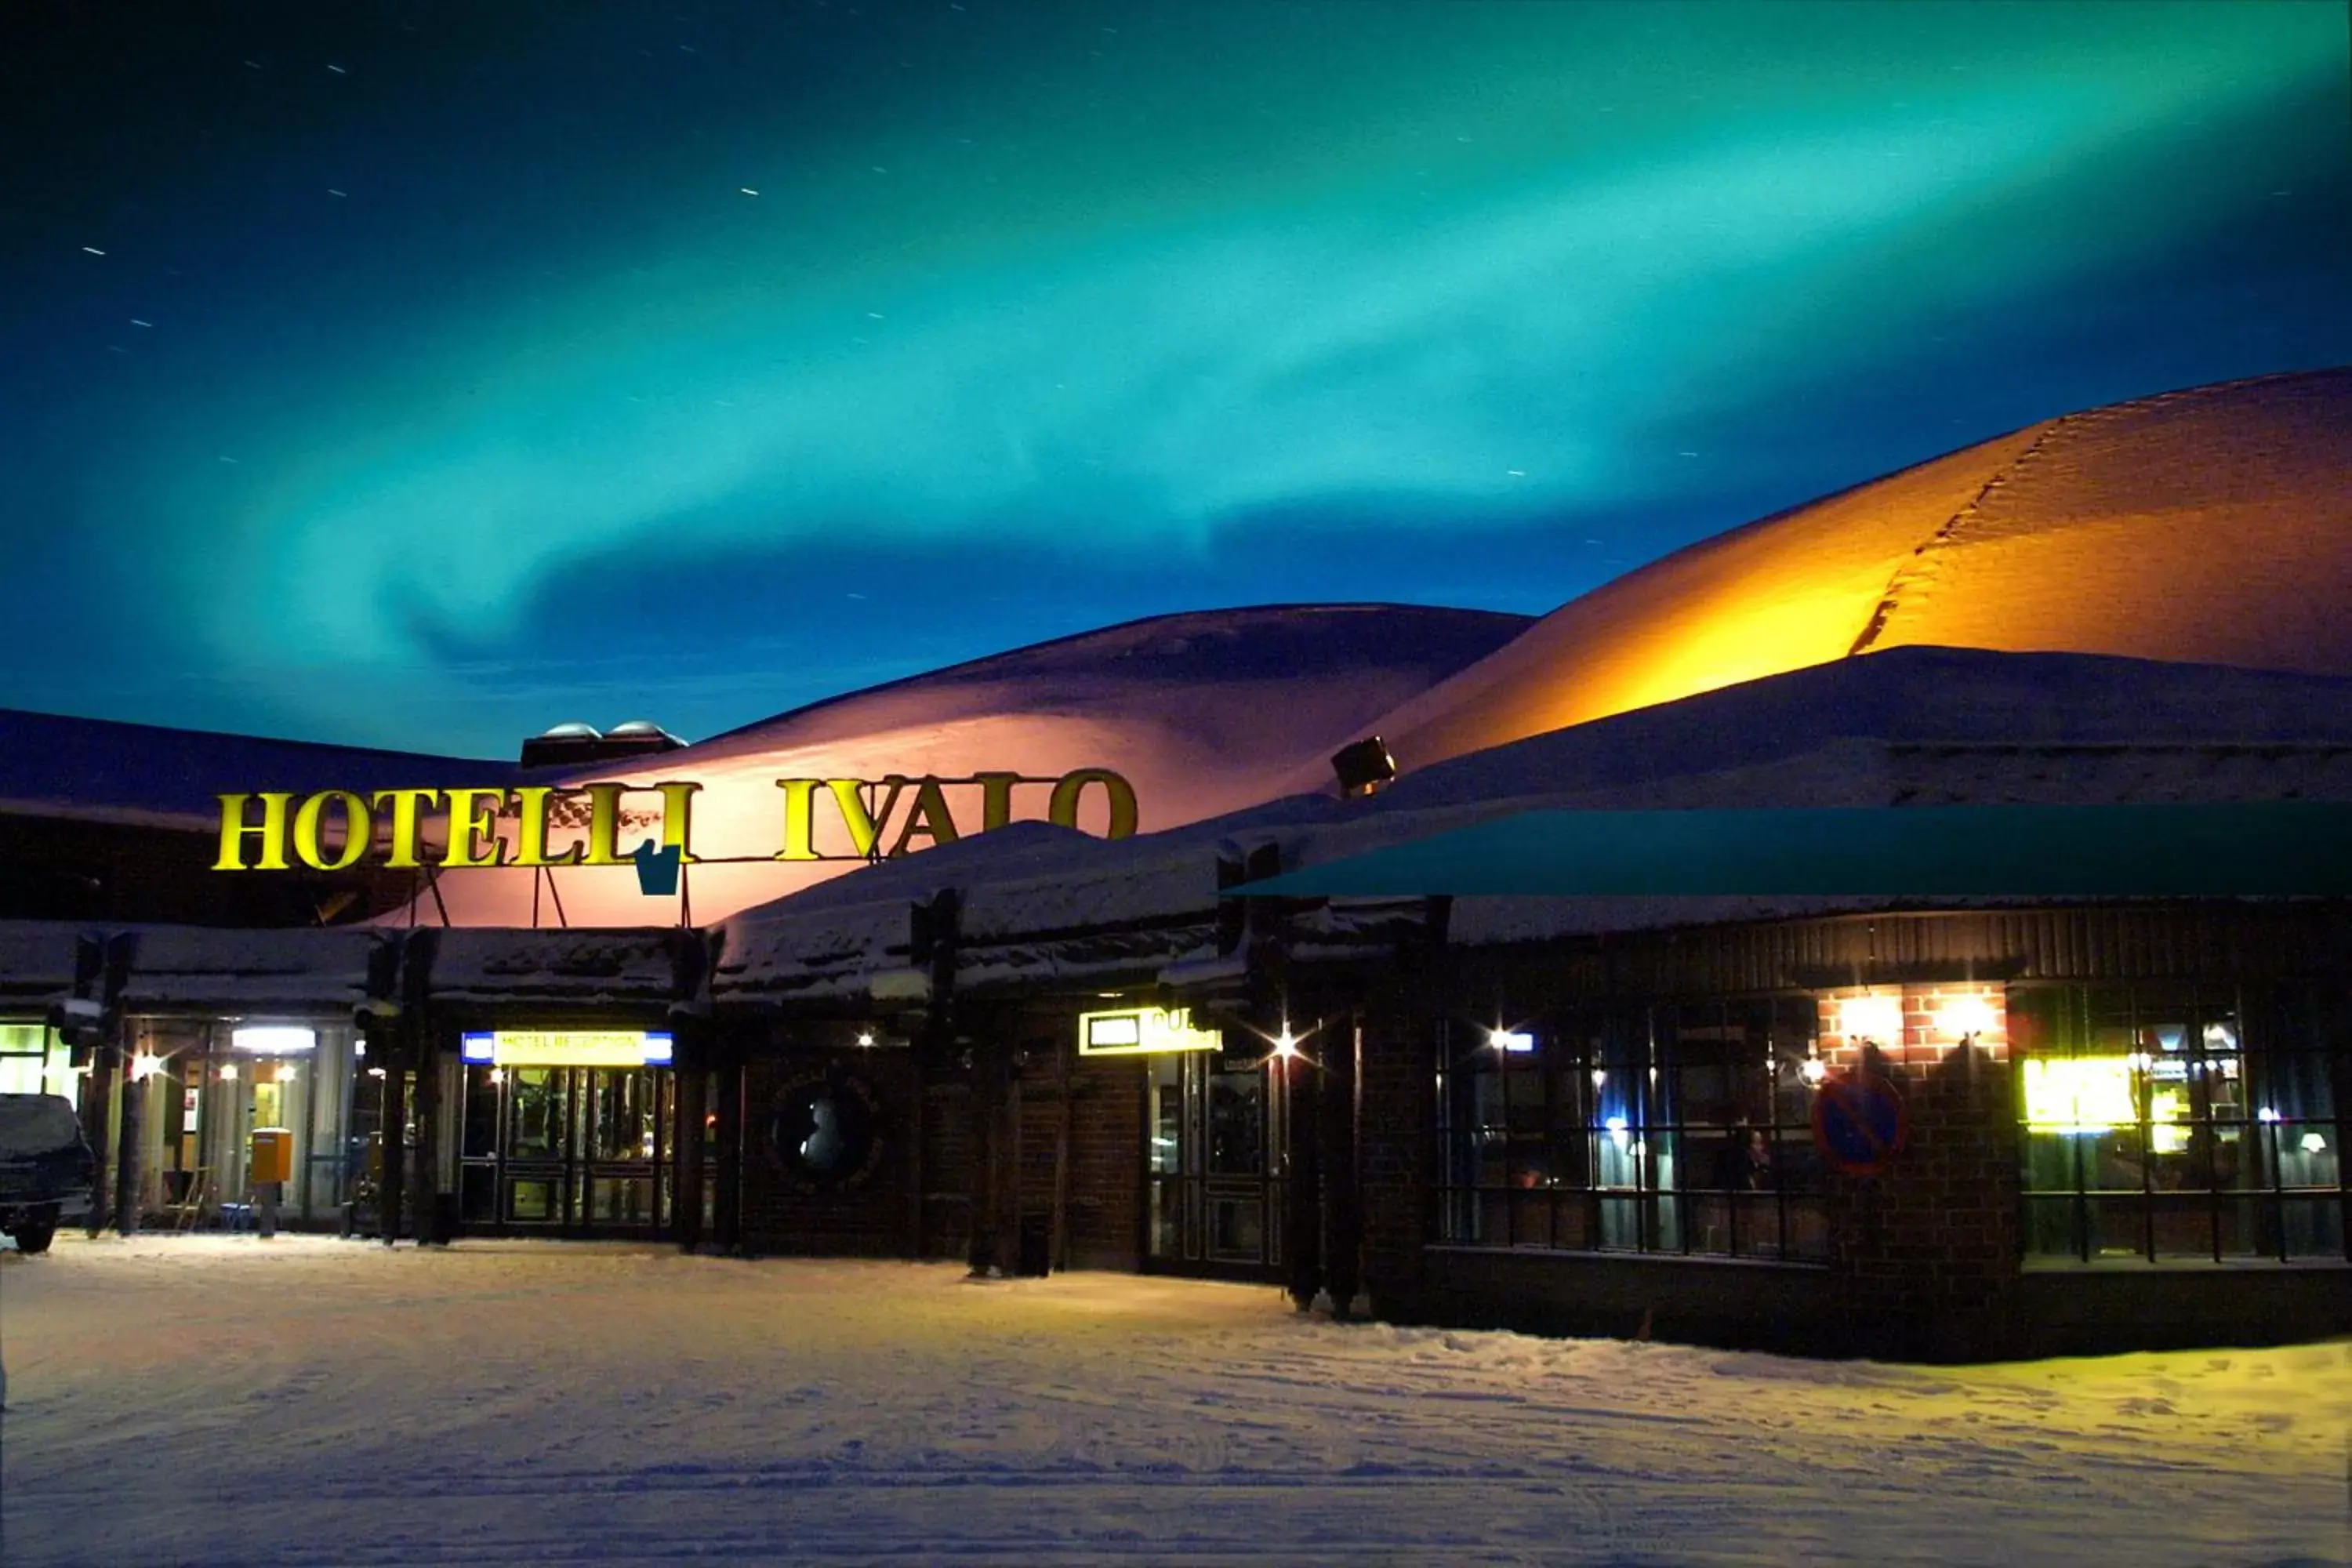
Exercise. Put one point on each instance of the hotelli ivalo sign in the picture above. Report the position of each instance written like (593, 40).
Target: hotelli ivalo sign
(863, 820)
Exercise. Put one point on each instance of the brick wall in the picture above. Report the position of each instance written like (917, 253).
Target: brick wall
(1913, 1026)
(1394, 1155)
(1102, 1222)
(873, 1219)
(948, 1146)
(1926, 1252)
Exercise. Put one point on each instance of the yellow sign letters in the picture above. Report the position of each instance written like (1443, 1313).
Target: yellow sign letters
(474, 828)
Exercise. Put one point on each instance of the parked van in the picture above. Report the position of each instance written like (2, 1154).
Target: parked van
(45, 1167)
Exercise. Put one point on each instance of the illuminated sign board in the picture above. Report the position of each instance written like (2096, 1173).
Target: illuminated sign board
(272, 1040)
(1139, 1031)
(2079, 1094)
(334, 829)
(567, 1047)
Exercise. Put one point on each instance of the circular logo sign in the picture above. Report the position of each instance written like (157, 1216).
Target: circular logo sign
(825, 1132)
(1859, 1122)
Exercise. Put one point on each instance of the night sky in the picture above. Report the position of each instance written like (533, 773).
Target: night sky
(423, 374)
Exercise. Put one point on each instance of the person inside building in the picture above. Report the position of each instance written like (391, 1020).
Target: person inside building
(1744, 1165)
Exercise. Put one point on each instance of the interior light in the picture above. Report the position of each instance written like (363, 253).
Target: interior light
(1513, 1040)
(1286, 1043)
(285, 1072)
(273, 1040)
(2313, 1144)
(145, 1064)
(497, 1074)
(2266, 1114)
(1600, 1076)
(865, 1036)
(1813, 1069)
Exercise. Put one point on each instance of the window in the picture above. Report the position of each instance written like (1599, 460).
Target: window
(32, 1062)
(2169, 1123)
(1678, 1129)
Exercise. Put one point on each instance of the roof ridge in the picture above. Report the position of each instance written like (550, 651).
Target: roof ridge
(1919, 568)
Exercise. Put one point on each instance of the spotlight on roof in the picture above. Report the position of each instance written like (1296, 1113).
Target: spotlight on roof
(574, 743)
(1364, 767)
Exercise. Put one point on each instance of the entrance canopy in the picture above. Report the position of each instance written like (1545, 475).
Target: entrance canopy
(2279, 848)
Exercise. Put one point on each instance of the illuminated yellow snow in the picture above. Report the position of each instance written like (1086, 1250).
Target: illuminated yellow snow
(2208, 526)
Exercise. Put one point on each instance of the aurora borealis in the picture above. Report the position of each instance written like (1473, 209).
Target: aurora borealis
(422, 375)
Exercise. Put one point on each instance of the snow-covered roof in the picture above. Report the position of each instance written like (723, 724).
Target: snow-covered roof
(2210, 525)
(1035, 901)
(578, 966)
(37, 960)
(96, 768)
(1199, 712)
(1908, 727)
(197, 968)
(1040, 905)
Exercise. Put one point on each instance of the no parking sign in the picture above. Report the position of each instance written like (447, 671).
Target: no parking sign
(1859, 1122)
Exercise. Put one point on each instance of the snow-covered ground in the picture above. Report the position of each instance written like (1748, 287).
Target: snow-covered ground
(226, 1400)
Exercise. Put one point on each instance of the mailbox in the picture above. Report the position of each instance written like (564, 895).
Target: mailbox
(273, 1155)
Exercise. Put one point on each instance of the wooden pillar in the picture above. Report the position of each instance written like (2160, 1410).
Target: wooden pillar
(429, 1210)
(1058, 1249)
(918, 1167)
(1008, 1169)
(1302, 1230)
(99, 1124)
(996, 1156)
(686, 1140)
(391, 1162)
(1343, 1230)
(126, 1156)
(727, 1210)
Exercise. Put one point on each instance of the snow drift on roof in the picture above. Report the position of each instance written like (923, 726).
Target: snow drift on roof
(38, 958)
(1201, 713)
(578, 967)
(116, 771)
(2211, 526)
(1912, 726)
(295, 969)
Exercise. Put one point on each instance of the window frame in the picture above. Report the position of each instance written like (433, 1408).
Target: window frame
(1621, 1172)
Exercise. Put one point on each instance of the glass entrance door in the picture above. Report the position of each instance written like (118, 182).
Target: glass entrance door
(1215, 1162)
(567, 1151)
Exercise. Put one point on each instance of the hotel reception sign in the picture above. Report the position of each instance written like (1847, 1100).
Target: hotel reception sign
(567, 1047)
(466, 828)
